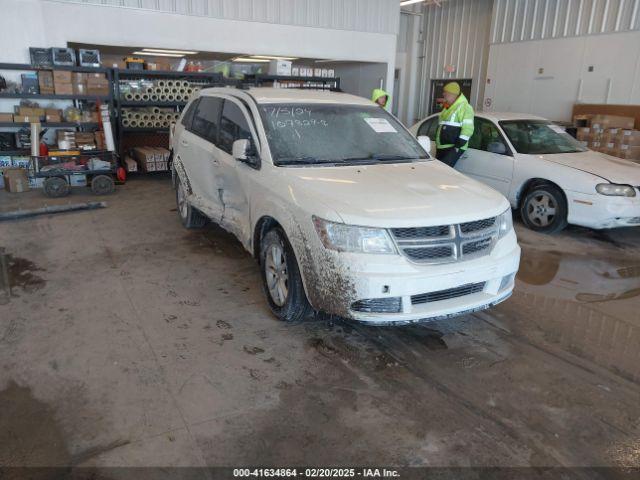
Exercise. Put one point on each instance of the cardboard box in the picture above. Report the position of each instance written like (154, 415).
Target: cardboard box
(63, 88)
(53, 118)
(612, 121)
(100, 91)
(45, 81)
(582, 133)
(62, 76)
(628, 137)
(629, 151)
(15, 180)
(78, 77)
(79, 89)
(31, 112)
(146, 158)
(25, 119)
(98, 79)
(6, 117)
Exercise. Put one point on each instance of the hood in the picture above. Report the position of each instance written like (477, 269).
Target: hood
(613, 169)
(397, 195)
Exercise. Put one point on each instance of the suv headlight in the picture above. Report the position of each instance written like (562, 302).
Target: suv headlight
(614, 190)
(505, 223)
(349, 238)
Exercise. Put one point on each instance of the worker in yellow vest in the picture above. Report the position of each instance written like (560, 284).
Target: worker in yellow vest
(380, 97)
(455, 125)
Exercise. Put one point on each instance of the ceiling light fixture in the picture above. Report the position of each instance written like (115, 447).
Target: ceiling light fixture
(428, 2)
(274, 58)
(160, 50)
(159, 54)
(250, 60)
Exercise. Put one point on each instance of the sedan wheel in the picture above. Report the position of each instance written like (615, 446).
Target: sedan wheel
(544, 209)
(541, 210)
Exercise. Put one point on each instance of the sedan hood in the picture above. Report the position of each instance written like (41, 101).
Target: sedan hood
(614, 169)
(398, 195)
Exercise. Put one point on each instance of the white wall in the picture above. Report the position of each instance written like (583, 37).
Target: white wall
(517, 86)
(453, 36)
(45, 23)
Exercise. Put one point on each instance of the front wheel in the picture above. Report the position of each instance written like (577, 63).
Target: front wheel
(281, 278)
(189, 216)
(544, 209)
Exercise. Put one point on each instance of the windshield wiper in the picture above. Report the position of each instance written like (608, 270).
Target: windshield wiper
(382, 158)
(302, 161)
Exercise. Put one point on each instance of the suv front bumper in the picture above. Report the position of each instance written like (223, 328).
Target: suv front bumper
(376, 279)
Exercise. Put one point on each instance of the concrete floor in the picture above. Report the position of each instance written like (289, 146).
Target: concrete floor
(129, 341)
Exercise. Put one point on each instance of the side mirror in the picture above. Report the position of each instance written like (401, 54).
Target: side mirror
(425, 142)
(497, 147)
(241, 149)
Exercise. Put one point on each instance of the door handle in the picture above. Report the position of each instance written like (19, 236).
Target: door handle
(184, 143)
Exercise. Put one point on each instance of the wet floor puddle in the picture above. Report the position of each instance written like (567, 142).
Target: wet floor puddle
(578, 278)
(589, 305)
(18, 273)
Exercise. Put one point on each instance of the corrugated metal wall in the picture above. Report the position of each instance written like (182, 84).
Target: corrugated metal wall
(375, 16)
(456, 34)
(521, 20)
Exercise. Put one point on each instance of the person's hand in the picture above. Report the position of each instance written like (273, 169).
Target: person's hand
(460, 142)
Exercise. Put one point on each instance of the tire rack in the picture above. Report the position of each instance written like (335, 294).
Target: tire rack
(37, 96)
(129, 137)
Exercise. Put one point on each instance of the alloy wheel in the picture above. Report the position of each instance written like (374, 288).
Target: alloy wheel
(541, 209)
(277, 276)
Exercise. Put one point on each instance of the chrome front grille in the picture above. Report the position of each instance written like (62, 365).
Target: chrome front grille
(447, 243)
(447, 294)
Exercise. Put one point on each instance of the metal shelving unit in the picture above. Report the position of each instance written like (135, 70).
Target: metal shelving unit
(314, 83)
(76, 99)
(129, 137)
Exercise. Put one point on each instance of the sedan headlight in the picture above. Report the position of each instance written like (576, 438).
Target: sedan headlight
(349, 238)
(505, 223)
(614, 190)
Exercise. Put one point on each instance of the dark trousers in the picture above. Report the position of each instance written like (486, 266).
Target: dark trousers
(450, 156)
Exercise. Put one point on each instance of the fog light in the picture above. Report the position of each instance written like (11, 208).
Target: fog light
(507, 281)
(378, 305)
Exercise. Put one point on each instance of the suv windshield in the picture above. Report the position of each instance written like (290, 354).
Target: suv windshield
(337, 134)
(538, 137)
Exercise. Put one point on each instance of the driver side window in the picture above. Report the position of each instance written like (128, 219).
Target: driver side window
(429, 128)
(487, 138)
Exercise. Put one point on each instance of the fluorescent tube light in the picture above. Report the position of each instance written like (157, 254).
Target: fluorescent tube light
(250, 60)
(274, 58)
(159, 54)
(161, 50)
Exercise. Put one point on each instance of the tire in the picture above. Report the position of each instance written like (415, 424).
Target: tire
(190, 217)
(56, 187)
(102, 185)
(544, 209)
(281, 279)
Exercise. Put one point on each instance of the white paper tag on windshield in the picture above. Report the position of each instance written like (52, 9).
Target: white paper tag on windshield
(557, 129)
(380, 125)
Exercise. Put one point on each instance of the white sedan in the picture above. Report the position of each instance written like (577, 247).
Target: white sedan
(547, 174)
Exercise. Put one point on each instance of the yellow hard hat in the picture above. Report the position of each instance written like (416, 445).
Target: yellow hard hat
(452, 87)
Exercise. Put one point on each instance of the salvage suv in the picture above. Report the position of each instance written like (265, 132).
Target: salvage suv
(344, 209)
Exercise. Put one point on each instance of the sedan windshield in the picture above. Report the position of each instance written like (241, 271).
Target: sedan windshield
(539, 137)
(301, 134)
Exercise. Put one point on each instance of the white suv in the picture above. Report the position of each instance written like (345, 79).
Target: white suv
(343, 207)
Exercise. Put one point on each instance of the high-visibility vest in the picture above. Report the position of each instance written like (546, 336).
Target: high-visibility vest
(455, 122)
